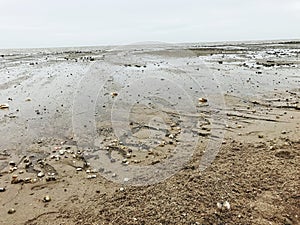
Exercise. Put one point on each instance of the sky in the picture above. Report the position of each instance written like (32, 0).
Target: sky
(63, 23)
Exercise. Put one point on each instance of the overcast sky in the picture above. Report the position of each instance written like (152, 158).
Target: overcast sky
(53, 23)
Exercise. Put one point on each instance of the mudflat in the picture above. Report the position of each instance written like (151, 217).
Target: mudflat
(151, 134)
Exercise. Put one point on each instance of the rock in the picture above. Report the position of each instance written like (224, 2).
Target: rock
(12, 163)
(11, 211)
(4, 106)
(260, 136)
(202, 100)
(91, 176)
(40, 174)
(61, 152)
(114, 94)
(226, 205)
(51, 178)
(2, 189)
(223, 205)
(47, 198)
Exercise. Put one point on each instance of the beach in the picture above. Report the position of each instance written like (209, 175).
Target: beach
(151, 133)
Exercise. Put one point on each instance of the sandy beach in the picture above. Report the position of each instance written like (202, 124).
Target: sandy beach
(151, 134)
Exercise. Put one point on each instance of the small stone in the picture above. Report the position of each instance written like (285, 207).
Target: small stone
(202, 100)
(4, 106)
(2, 189)
(226, 205)
(91, 176)
(126, 179)
(47, 198)
(114, 94)
(219, 205)
(51, 178)
(12, 163)
(171, 136)
(11, 211)
(40, 174)
(79, 169)
(28, 180)
(122, 189)
(260, 136)
(27, 99)
(283, 132)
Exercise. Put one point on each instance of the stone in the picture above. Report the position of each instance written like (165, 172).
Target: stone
(11, 211)
(47, 198)
(40, 174)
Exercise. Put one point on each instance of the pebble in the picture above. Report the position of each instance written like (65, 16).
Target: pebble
(226, 205)
(47, 198)
(12, 163)
(40, 174)
(260, 136)
(51, 178)
(78, 169)
(122, 189)
(2, 189)
(4, 106)
(283, 132)
(114, 94)
(11, 211)
(202, 100)
(91, 176)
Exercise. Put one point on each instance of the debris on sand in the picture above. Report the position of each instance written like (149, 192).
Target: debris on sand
(223, 205)
(202, 100)
(4, 106)
(114, 94)
(47, 198)
(11, 211)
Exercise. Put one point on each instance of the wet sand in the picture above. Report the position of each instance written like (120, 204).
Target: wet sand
(156, 134)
